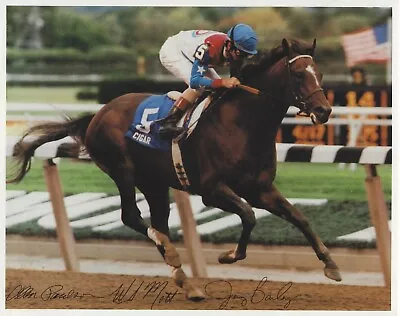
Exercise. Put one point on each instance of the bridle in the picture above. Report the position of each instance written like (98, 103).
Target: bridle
(300, 101)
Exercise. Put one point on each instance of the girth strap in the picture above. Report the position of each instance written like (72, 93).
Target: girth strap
(178, 165)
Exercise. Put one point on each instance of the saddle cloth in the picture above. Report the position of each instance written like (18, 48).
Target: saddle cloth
(144, 127)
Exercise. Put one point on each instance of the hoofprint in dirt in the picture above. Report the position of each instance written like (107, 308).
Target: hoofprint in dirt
(27, 289)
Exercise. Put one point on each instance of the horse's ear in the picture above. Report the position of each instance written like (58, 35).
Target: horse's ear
(287, 48)
(313, 47)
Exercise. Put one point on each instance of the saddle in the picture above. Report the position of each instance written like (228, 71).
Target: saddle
(145, 125)
(152, 110)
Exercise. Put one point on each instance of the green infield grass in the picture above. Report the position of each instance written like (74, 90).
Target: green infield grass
(329, 221)
(294, 180)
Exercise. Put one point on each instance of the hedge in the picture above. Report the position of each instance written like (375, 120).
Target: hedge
(102, 60)
(112, 88)
(106, 54)
(121, 60)
(100, 55)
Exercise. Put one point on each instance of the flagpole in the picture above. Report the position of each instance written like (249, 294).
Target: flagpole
(389, 61)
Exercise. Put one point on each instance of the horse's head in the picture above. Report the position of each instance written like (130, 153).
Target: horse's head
(304, 83)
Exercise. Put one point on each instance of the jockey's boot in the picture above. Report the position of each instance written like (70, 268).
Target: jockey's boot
(168, 128)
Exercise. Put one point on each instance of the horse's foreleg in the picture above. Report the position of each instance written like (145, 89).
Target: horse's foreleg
(274, 202)
(158, 199)
(223, 197)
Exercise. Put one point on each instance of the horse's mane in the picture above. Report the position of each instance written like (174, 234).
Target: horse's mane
(265, 59)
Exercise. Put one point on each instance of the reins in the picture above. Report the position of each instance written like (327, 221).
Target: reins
(259, 93)
(300, 101)
(250, 89)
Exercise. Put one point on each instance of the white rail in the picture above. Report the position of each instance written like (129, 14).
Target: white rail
(83, 107)
(286, 120)
(52, 107)
(339, 121)
(30, 111)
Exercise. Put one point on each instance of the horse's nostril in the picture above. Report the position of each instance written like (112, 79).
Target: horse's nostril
(322, 110)
(329, 111)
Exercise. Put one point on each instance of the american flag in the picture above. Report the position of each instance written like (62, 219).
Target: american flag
(368, 45)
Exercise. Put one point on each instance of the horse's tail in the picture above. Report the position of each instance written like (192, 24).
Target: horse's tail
(47, 132)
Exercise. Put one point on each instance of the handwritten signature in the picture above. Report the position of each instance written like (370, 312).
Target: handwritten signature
(127, 294)
(158, 294)
(258, 295)
(50, 293)
(122, 294)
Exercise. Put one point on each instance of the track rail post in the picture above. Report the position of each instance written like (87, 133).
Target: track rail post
(379, 218)
(64, 232)
(190, 235)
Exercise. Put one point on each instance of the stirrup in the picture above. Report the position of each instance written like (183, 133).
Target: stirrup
(169, 132)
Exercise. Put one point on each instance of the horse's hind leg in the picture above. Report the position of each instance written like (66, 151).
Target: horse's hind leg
(274, 202)
(158, 198)
(123, 177)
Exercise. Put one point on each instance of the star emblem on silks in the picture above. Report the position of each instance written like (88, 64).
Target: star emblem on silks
(200, 69)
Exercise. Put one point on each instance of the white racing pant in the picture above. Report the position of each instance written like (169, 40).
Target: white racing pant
(174, 61)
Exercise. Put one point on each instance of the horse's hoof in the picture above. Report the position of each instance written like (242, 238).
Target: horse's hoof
(195, 295)
(333, 274)
(229, 257)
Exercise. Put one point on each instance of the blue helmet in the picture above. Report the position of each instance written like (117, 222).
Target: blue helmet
(244, 38)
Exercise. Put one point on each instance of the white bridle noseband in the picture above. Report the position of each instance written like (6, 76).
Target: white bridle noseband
(298, 57)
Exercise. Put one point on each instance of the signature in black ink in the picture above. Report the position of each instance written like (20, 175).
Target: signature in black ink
(52, 292)
(123, 293)
(258, 295)
(120, 294)
(21, 292)
(128, 293)
(229, 297)
(56, 292)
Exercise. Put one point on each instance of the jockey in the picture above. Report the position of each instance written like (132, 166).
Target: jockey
(192, 55)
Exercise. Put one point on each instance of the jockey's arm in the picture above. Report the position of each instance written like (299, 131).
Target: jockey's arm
(212, 74)
(198, 78)
(201, 67)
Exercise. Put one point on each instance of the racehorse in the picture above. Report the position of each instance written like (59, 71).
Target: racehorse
(232, 153)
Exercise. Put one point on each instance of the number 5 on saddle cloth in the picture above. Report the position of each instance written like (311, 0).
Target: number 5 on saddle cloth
(145, 125)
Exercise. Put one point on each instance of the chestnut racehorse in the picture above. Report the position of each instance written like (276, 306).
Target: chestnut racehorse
(230, 158)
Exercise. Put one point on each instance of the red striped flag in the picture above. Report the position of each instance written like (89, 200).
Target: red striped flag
(369, 45)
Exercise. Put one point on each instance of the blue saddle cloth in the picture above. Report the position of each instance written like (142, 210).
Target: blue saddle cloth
(143, 129)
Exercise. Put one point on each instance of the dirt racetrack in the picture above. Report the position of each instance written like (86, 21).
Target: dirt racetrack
(67, 290)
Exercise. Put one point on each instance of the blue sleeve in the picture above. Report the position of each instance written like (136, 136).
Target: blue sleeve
(197, 79)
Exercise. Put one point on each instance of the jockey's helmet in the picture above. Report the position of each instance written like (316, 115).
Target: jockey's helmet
(244, 38)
